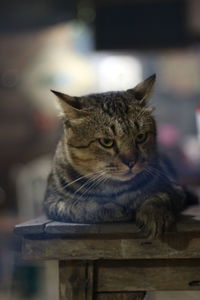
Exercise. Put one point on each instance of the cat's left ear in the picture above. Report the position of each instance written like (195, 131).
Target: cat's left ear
(143, 90)
(71, 106)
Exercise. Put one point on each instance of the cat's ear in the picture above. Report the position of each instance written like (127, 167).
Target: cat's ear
(143, 90)
(71, 106)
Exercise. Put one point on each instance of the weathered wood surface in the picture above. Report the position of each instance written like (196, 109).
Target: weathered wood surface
(35, 226)
(174, 245)
(75, 281)
(148, 275)
(45, 239)
(88, 229)
(43, 225)
(121, 296)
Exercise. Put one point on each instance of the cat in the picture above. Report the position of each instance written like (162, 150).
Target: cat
(107, 167)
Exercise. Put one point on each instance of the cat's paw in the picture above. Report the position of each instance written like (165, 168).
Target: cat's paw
(154, 221)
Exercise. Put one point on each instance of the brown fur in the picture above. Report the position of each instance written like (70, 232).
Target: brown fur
(91, 183)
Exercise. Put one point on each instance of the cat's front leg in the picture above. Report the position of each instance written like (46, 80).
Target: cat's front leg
(88, 211)
(112, 212)
(156, 215)
(109, 212)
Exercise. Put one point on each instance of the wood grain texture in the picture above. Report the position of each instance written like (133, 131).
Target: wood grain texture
(121, 296)
(35, 226)
(75, 281)
(186, 224)
(43, 225)
(148, 275)
(91, 229)
(177, 245)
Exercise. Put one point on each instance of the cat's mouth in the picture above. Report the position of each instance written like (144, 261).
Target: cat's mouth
(129, 174)
(124, 175)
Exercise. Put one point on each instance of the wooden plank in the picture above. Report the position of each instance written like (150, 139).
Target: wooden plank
(44, 225)
(121, 296)
(148, 275)
(75, 281)
(177, 245)
(35, 226)
(186, 223)
(87, 229)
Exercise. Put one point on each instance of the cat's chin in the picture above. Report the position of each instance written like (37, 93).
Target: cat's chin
(126, 176)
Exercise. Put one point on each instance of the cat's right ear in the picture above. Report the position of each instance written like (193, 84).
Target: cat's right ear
(143, 90)
(71, 106)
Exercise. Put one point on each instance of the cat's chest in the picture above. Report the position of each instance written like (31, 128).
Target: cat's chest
(127, 195)
(132, 195)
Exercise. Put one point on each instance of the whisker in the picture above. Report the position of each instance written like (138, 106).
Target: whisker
(94, 184)
(79, 178)
(148, 171)
(87, 182)
(154, 171)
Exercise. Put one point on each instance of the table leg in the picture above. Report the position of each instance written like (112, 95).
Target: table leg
(76, 280)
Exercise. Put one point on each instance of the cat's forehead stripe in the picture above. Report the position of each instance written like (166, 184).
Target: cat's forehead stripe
(118, 112)
(113, 129)
(136, 125)
(124, 127)
(111, 103)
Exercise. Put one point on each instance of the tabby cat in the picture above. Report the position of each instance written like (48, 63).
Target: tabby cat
(107, 168)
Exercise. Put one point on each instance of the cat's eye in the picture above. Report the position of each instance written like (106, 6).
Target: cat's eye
(141, 137)
(107, 143)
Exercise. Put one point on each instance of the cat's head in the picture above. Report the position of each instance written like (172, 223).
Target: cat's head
(112, 132)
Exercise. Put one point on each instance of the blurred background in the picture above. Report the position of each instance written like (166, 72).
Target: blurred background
(79, 47)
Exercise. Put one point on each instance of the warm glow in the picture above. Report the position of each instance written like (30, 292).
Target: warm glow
(119, 72)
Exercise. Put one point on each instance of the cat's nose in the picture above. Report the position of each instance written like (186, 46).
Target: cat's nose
(128, 161)
(130, 164)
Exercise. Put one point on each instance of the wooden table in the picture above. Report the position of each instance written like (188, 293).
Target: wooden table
(114, 261)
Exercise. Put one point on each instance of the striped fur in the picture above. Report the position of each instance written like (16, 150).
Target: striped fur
(90, 183)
